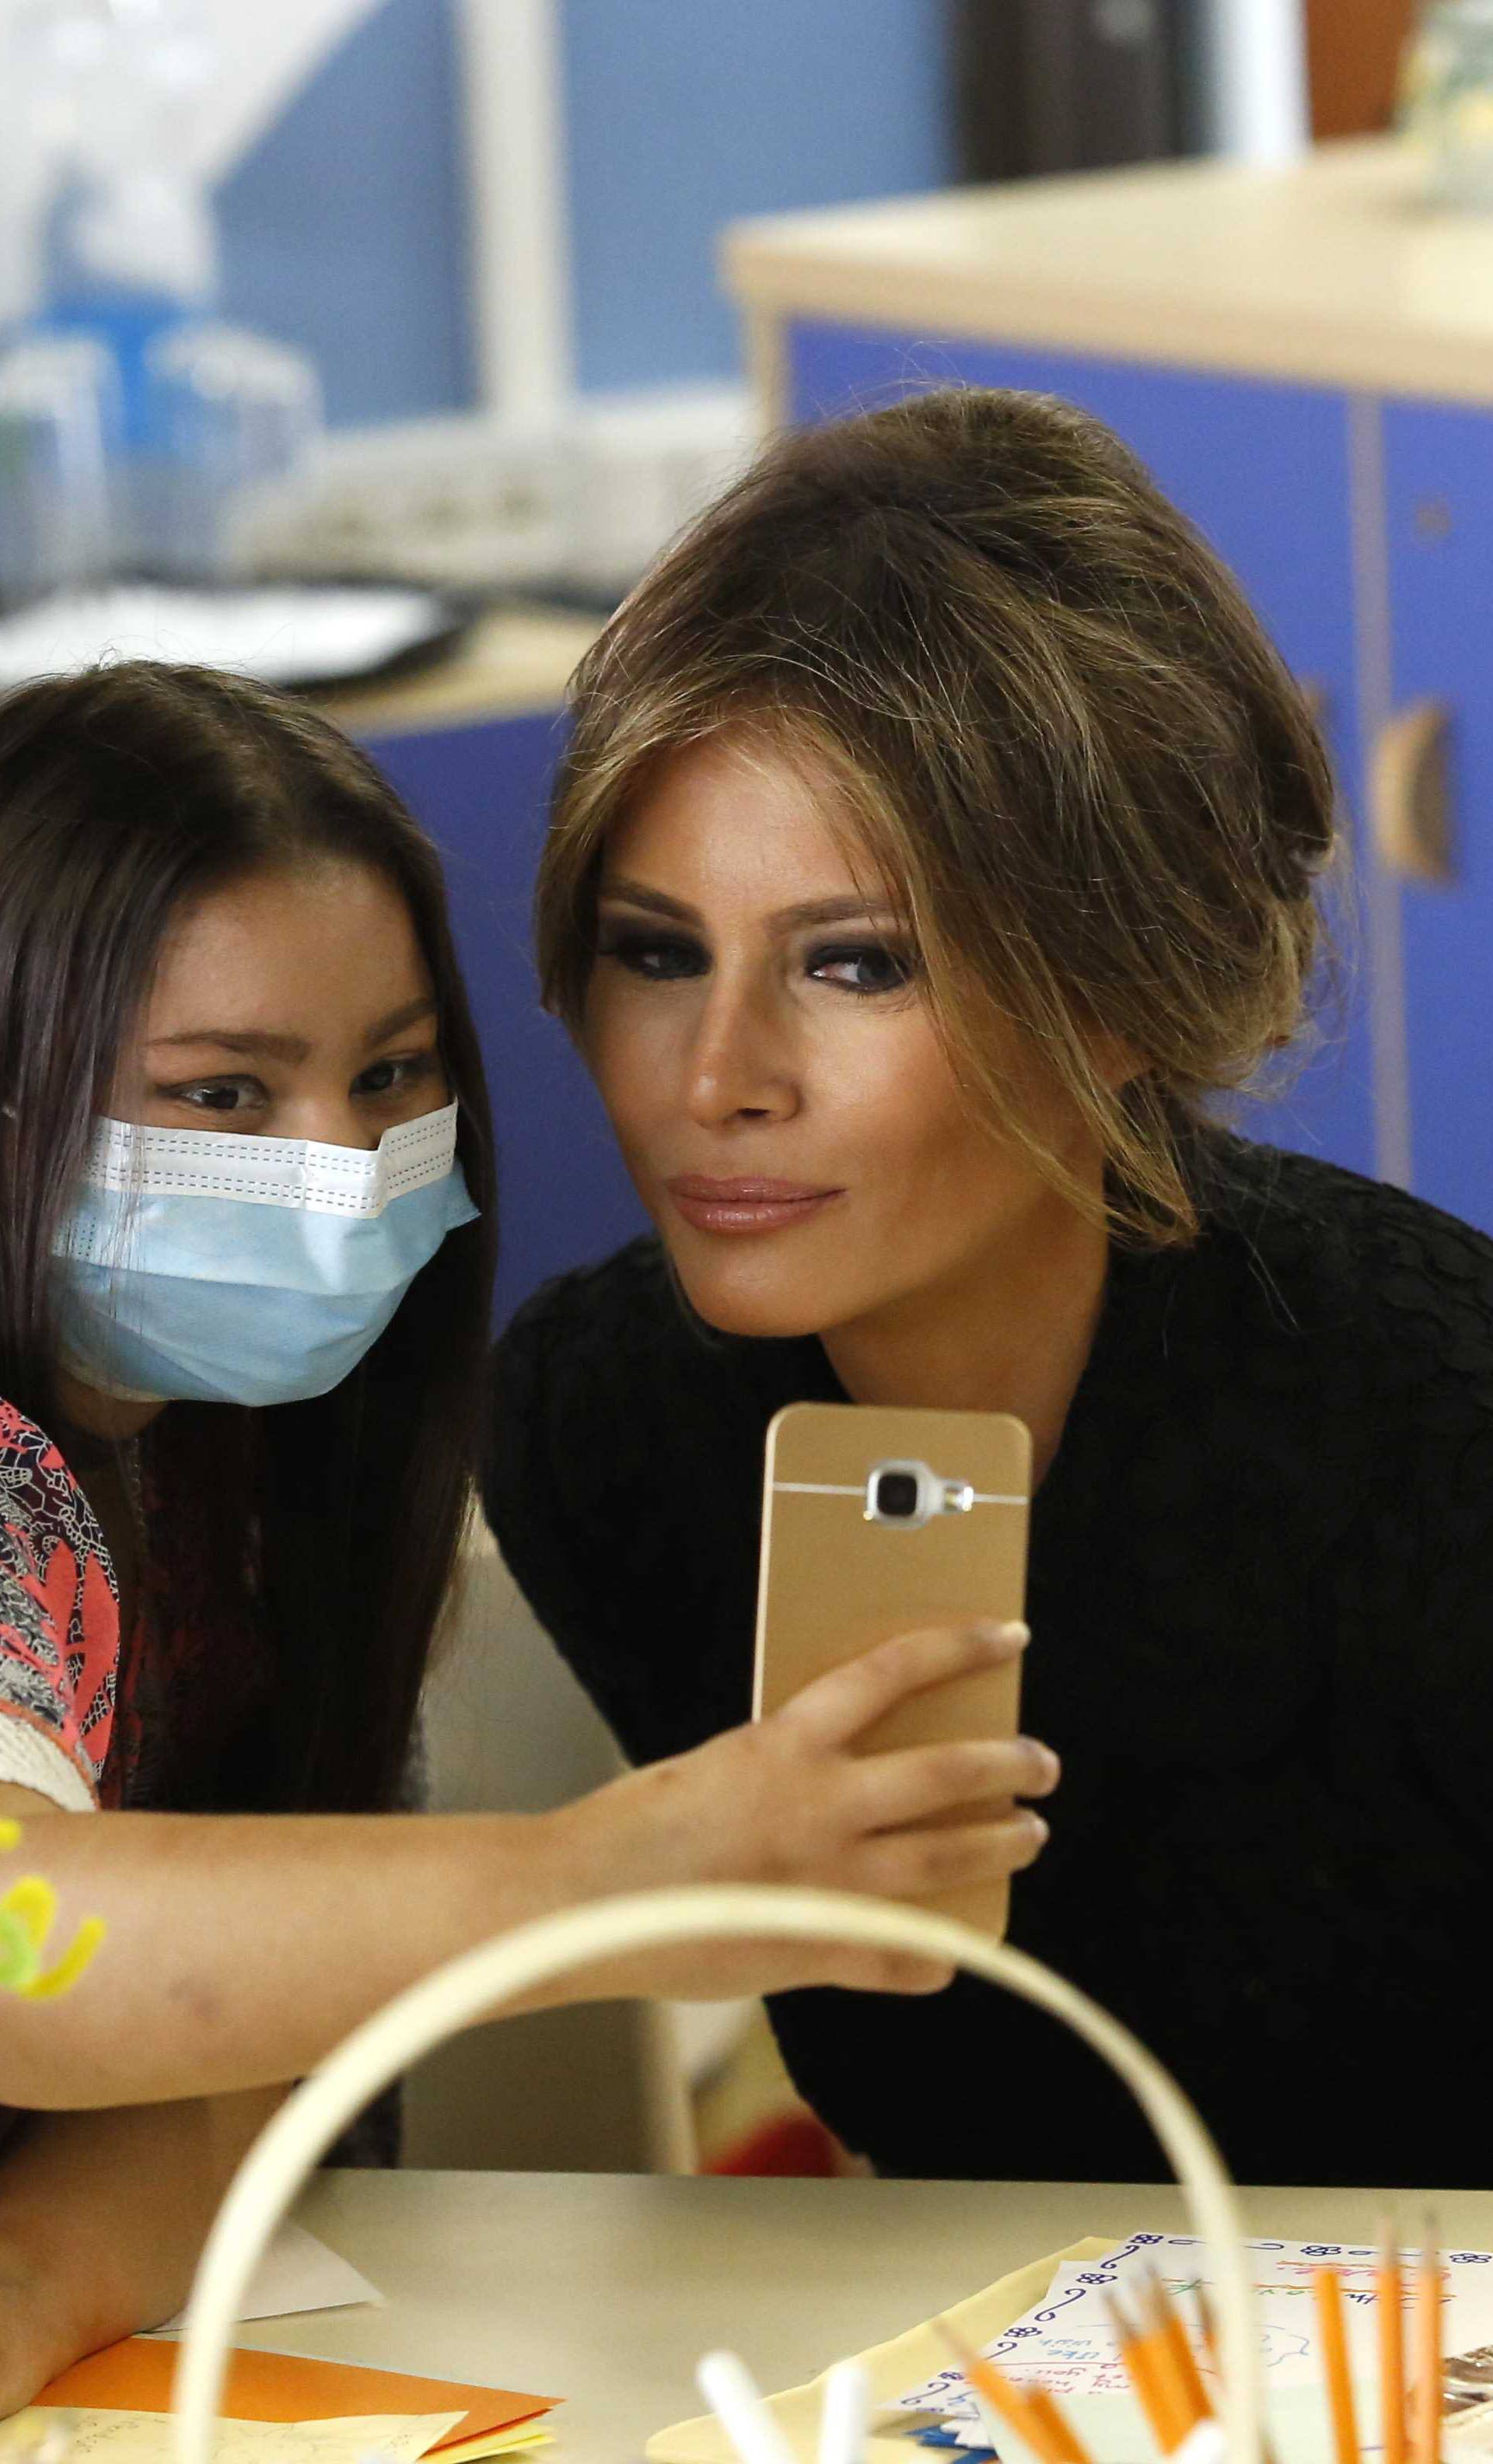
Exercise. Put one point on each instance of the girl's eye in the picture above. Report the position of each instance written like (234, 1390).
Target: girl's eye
(218, 1095)
(864, 967)
(658, 960)
(396, 1077)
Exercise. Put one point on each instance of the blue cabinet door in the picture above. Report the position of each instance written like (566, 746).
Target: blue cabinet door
(1264, 471)
(564, 1197)
(1439, 489)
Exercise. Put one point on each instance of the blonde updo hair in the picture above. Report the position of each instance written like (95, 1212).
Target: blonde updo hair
(1054, 726)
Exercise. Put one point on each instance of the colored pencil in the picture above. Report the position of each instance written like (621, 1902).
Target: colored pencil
(1391, 2286)
(1030, 2412)
(1007, 2401)
(1187, 2378)
(1147, 2365)
(1326, 2287)
(1428, 2349)
(1067, 2446)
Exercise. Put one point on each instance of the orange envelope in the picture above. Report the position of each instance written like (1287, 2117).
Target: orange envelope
(136, 2377)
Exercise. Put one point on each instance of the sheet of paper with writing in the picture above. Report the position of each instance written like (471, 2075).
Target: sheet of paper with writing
(1065, 2341)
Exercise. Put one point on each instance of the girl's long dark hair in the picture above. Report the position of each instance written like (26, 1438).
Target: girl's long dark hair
(322, 1536)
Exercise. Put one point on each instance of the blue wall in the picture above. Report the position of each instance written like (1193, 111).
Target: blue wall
(685, 113)
(345, 229)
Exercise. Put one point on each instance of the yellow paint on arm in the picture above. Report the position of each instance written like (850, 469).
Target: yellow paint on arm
(28, 1913)
(77, 1956)
(33, 1905)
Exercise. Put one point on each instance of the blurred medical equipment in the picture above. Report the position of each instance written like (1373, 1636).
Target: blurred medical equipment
(138, 434)
(56, 414)
(574, 506)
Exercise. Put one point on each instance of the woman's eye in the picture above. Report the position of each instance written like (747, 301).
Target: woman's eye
(395, 1077)
(862, 967)
(218, 1095)
(649, 954)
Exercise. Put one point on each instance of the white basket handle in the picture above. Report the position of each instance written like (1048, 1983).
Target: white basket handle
(479, 1982)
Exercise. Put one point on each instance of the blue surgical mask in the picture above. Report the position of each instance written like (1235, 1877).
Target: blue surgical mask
(205, 1266)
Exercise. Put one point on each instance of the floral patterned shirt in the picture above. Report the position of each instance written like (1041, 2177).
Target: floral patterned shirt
(60, 1626)
(91, 1717)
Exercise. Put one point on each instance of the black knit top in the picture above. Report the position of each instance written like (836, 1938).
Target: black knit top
(1261, 1603)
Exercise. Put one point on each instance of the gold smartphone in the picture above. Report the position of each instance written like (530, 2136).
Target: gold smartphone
(875, 1522)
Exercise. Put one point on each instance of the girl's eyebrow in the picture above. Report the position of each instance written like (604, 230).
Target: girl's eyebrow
(809, 911)
(410, 1015)
(291, 1047)
(236, 1038)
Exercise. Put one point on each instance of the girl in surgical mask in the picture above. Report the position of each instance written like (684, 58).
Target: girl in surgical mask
(246, 1163)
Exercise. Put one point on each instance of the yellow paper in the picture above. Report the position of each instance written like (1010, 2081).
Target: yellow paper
(146, 2437)
(892, 2367)
(523, 2435)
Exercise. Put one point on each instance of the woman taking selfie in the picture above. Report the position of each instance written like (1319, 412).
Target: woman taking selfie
(247, 1236)
(939, 837)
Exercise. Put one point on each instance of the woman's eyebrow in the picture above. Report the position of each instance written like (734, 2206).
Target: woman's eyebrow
(835, 910)
(637, 893)
(810, 911)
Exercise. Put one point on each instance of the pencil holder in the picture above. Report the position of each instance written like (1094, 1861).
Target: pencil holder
(481, 1982)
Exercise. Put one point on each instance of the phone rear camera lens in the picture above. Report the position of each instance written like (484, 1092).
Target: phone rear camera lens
(896, 1495)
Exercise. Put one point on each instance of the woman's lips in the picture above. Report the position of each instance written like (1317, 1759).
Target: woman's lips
(752, 1205)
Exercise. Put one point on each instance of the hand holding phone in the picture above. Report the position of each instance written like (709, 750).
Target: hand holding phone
(791, 1798)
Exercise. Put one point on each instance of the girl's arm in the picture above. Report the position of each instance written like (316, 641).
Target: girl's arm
(239, 1949)
(76, 2270)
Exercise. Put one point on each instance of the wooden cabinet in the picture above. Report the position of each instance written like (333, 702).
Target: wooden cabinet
(1437, 465)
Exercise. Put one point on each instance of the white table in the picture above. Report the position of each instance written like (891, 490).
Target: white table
(605, 2288)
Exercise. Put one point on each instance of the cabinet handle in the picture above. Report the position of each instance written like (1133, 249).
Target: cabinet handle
(1410, 794)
